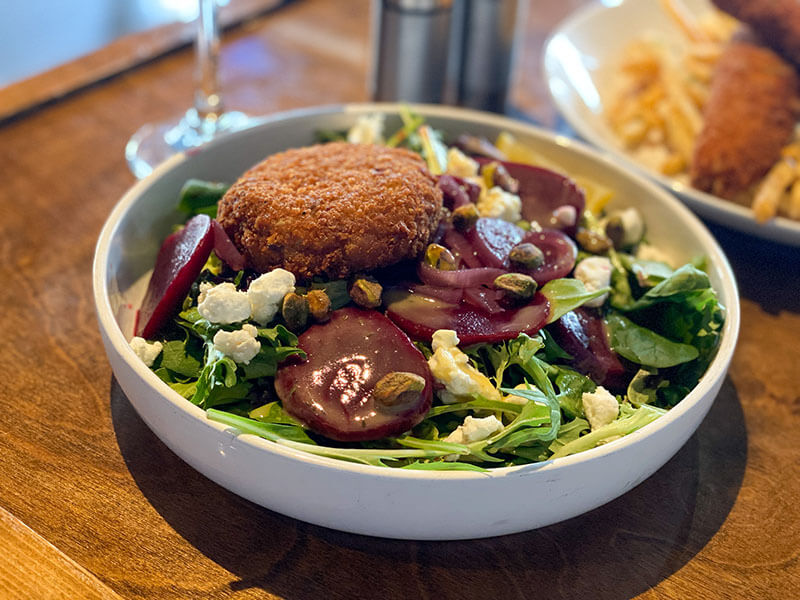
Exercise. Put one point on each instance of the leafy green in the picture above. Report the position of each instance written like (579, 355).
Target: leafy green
(567, 294)
(181, 357)
(272, 412)
(201, 197)
(443, 466)
(644, 346)
(640, 417)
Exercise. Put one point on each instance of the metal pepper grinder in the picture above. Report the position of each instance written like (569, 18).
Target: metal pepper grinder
(412, 60)
(489, 39)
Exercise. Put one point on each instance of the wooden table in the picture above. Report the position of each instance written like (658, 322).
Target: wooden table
(95, 506)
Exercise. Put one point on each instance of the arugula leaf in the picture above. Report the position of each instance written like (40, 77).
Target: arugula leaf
(270, 431)
(531, 418)
(443, 466)
(567, 294)
(569, 432)
(623, 426)
(273, 412)
(644, 346)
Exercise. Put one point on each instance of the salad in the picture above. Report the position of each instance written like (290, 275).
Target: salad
(535, 325)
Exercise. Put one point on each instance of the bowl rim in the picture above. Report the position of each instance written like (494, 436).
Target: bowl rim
(717, 368)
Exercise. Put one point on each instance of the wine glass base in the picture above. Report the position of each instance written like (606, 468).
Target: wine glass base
(152, 144)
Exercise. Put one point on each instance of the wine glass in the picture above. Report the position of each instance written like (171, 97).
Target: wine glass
(154, 143)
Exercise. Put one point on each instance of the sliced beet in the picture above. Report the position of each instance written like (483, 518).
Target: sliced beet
(179, 262)
(493, 239)
(420, 316)
(331, 392)
(542, 191)
(583, 335)
(225, 249)
(560, 253)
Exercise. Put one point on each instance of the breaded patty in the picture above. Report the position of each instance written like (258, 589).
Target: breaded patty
(332, 209)
(749, 116)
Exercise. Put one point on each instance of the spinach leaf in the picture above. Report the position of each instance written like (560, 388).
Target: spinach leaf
(567, 294)
(644, 346)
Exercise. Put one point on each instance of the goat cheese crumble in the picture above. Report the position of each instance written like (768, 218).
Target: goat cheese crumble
(451, 367)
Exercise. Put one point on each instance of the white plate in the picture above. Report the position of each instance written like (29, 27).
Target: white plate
(579, 62)
(374, 500)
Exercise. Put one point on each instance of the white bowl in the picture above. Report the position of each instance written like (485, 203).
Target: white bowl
(373, 500)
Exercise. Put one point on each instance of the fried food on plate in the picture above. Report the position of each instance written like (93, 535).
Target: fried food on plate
(332, 209)
(749, 117)
(777, 22)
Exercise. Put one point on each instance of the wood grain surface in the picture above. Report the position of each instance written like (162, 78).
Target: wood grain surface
(84, 484)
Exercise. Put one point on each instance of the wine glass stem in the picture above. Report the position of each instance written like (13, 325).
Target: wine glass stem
(207, 97)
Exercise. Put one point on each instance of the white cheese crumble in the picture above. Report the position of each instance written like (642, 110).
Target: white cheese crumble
(600, 407)
(146, 351)
(595, 273)
(240, 345)
(451, 367)
(473, 430)
(266, 293)
(368, 129)
(649, 252)
(497, 203)
(223, 304)
(461, 165)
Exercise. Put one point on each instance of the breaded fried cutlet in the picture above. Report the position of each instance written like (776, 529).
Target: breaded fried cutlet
(332, 209)
(749, 116)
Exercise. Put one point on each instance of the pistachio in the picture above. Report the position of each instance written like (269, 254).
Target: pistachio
(366, 292)
(398, 388)
(516, 285)
(440, 258)
(319, 305)
(593, 241)
(294, 310)
(526, 255)
(465, 216)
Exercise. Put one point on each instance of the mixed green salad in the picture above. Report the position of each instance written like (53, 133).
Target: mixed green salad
(616, 347)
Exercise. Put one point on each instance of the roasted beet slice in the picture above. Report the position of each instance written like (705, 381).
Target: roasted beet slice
(420, 316)
(542, 191)
(331, 392)
(493, 239)
(559, 251)
(583, 335)
(179, 262)
(225, 250)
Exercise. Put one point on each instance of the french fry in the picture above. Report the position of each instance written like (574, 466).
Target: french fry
(768, 195)
(684, 19)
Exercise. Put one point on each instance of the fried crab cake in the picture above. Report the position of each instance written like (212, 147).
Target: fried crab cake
(332, 209)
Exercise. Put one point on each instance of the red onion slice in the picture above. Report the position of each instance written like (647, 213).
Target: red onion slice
(445, 294)
(462, 278)
(224, 248)
(461, 249)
